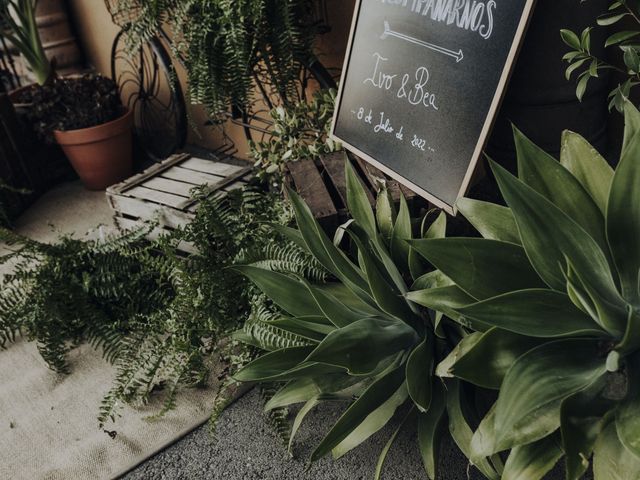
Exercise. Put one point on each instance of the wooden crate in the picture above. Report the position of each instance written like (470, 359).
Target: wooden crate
(162, 193)
(321, 183)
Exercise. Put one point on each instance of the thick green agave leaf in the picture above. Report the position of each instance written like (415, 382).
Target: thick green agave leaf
(385, 214)
(631, 124)
(482, 268)
(337, 312)
(528, 407)
(430, 427)
(402, 231)
(445, 299)
(623, 215)
(533, 461)
(389, 298)
(583, 417)
(628, 413)
(438, 229)
(435, 279)
(535, 313)
(346, 296)
(550, 238)
(273, 364)
(373, 423)
(323, 249)
(304, 389)
(376, 396)
(484, 359)
(588, 167)
(358, 202)
(420, 373)
(462, 434)
(549, 178)
(288, 293)
(360, 346)
(611, 460)
(374, 249)
(494, 222)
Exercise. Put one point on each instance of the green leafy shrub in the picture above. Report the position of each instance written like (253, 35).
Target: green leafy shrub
(299, 132)
(581, 59)
(223, 43)
(356, 338)
(553, 292)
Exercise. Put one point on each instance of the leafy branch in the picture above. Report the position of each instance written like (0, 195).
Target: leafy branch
(588, 66)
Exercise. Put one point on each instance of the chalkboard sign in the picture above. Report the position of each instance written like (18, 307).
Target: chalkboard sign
(422, 82)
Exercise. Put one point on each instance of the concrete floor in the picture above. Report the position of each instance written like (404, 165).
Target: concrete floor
(67, 209)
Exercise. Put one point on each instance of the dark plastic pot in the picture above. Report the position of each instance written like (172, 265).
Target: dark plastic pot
(101, 155)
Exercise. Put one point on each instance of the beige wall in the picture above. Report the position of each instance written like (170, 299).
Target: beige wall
(97, 32)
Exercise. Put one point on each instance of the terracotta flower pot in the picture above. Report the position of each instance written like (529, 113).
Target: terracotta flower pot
(102, 155)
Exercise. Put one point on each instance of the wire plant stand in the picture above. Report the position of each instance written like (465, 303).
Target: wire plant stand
(149, 85)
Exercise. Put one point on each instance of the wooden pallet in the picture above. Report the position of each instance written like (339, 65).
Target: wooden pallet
(162, 193)
(321, 183)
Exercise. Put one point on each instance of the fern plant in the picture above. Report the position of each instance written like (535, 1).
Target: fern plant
(553, 291)
(223, 43)
(77, 291)
(356, 337)
(156, 316)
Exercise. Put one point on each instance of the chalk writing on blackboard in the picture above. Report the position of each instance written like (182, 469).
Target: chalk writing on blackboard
(421, 85)
(459, 55)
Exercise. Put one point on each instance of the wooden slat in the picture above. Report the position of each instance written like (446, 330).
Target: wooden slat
(156, 196)
(334, 166)
(145, 210)
(207, 166)
(311, 188)
(191, 176)
(169, 186)
(148, 173)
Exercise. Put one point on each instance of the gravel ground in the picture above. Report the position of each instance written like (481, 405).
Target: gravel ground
(246, 448)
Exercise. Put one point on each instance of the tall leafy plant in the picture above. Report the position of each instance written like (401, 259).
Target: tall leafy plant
(18, 22)
(357, 338)
(553, 291)
(582, 61)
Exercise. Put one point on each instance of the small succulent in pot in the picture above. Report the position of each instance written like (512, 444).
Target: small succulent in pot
(73, 103)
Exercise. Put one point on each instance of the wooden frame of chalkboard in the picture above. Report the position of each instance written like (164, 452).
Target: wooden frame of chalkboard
(487, 126)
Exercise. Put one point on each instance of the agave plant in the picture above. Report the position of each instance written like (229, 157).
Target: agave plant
(552, 291)
(18, 23)
(358, 339)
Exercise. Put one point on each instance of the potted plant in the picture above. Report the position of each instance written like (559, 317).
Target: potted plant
(85, 116)
(18, 19)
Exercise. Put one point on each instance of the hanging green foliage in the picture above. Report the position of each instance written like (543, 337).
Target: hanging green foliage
(553, 289)
(224, 43)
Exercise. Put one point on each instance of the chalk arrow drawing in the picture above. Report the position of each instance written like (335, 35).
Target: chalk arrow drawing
(390, 33)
